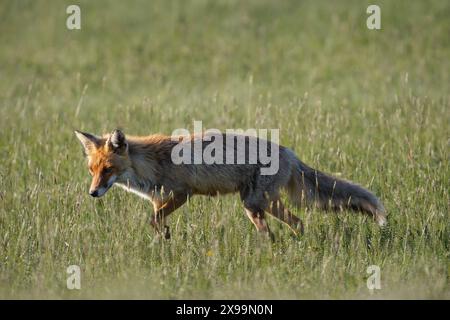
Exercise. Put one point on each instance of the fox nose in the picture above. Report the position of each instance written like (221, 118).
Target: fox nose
(94, 193)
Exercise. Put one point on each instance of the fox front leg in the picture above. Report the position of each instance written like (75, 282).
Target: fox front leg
(162, 210)
(158, 222)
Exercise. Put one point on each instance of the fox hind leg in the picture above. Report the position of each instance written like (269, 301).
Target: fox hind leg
(279, 211)
(258, 220)
(255, 204)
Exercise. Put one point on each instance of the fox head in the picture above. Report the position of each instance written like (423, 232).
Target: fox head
(107, 159)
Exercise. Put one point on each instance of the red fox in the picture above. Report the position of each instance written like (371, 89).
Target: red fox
(143, 165)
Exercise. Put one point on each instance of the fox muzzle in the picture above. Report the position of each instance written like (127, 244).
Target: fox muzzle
(100, 191)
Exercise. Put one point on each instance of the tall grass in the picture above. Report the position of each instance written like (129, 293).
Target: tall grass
(370, 106)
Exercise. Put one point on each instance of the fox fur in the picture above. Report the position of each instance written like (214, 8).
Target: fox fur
(143, 165)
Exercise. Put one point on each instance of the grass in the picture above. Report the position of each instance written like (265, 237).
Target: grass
(370, 106)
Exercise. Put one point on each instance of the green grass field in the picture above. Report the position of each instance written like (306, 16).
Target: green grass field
(371, 106)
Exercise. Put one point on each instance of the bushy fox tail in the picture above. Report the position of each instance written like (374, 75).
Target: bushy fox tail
(312, 187)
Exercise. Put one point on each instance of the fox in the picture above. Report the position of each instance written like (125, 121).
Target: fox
(143, 165)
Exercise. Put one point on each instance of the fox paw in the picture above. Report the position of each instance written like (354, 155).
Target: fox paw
(166, 232)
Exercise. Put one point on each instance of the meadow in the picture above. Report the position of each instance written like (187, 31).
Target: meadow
(371, 106)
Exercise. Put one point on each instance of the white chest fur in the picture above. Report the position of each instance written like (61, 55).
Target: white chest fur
(132, 183)
(129, 188)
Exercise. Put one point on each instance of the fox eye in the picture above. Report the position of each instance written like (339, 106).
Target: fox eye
(107, 170)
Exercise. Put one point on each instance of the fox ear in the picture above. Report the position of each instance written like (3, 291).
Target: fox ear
(89, 141)
(117, 142)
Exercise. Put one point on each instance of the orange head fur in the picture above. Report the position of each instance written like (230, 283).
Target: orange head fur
(107, 159)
